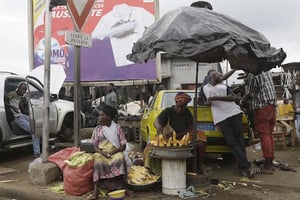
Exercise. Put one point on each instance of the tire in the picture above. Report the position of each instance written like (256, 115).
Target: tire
(67, 134)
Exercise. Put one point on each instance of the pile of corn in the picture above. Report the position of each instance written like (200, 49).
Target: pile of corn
(140, 175)
(79, 159)
(160, 141)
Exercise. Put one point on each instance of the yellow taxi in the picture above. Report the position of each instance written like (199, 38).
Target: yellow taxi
(165, 98)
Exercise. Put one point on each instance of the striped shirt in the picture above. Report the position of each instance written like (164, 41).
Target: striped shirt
(261, 90)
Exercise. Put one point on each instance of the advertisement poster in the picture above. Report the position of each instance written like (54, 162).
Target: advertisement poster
(114, 25)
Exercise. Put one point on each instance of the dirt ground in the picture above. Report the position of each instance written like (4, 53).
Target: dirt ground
(280, 186)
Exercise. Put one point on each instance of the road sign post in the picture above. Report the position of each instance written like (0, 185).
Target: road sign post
(78, 39)
(79, 11)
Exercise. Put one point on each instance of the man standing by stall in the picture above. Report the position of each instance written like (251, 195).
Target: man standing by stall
(228, 116)
(261, 95)
(111, 98)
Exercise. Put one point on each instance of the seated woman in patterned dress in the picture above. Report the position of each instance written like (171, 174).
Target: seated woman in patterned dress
(109, 143)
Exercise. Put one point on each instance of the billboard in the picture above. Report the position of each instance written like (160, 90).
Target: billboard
(114, 25)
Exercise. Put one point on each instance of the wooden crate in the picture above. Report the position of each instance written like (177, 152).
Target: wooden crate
(279, 134)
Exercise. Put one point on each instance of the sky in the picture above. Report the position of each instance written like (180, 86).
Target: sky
(278, 20)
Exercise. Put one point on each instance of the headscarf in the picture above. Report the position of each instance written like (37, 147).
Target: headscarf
(109, 111)
(182, 98)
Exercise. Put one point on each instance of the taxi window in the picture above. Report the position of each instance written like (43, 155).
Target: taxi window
(152, 102)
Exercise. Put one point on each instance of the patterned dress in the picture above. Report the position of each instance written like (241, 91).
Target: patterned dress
(106, 168)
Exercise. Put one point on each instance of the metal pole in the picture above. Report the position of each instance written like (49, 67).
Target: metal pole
(156, 12)
(226, 71)
(30, 33)
(77, 97)
(48, 30)
(195, 121)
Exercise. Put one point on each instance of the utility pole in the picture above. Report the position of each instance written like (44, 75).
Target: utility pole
(46, 103)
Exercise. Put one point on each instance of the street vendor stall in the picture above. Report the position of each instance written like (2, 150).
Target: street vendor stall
(286, 119)
(211, 37)
(173, 154)
(287, 86)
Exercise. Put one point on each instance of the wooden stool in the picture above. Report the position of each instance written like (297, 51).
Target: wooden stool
(280, 138)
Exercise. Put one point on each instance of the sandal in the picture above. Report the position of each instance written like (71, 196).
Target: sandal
(91, 197)
(263, 171)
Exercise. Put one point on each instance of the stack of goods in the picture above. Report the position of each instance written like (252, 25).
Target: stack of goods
(79, 159)
(78, 173)
(140, 175)
(136, 157)
(160, 141)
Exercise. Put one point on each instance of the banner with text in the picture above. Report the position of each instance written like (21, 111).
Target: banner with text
(114, 25)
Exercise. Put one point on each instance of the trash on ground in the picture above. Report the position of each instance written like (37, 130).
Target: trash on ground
(188, 193)
(58, 188)
(9, 181)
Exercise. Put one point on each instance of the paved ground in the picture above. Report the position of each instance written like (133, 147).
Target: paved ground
(282, 185)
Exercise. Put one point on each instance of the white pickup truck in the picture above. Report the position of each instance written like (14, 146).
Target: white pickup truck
(60, 117)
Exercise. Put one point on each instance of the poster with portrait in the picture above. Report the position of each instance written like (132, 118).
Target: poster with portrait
(114, 25)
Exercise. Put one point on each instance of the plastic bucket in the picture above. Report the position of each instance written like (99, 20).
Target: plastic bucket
(173, 176)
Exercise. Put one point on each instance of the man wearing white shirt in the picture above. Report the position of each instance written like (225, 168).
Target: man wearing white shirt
(228, 116)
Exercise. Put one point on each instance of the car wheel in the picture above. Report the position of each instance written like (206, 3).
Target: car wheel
(67, 134)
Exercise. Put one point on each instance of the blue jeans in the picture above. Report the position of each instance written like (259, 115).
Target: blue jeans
(23, 122)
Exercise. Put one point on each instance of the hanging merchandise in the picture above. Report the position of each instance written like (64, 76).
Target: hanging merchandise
(287, 83)
(294, 77)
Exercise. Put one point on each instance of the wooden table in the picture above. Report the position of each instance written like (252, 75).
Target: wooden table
(288, 121)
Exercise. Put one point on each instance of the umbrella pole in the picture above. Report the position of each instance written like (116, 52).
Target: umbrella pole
(195, 121)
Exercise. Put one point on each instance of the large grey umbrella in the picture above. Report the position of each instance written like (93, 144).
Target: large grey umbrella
(203, 35)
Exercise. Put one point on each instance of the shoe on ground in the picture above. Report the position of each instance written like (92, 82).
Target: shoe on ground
(262, 170)
(248, 172)
(36, 155)
(265, 170)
